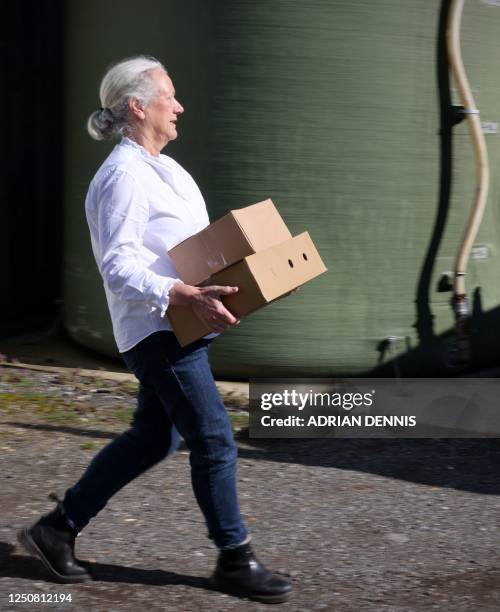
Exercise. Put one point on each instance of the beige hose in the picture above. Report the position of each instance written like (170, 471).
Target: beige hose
(481, 153)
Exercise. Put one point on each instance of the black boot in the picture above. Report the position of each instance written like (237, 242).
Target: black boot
(52, 540)
(239, 572)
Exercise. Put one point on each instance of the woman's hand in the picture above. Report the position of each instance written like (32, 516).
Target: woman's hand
(206, 303)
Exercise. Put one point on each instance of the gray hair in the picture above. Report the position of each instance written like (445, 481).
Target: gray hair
(130, 78)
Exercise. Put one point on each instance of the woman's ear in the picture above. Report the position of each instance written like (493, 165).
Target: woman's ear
(136, 108)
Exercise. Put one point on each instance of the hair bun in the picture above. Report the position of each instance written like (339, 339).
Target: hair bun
(100, 124)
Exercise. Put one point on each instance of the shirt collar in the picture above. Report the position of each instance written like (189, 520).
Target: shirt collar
(128, 142)
(164, 167)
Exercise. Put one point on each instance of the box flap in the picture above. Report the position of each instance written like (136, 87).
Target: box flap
(262, 225)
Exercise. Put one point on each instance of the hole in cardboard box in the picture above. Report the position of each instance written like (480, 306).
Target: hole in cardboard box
(304, 256)
(290, 263)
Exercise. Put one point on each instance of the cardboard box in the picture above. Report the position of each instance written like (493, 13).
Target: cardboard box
(262, 278)
(239, 233)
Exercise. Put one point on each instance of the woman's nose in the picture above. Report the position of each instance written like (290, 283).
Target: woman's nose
(178, 107)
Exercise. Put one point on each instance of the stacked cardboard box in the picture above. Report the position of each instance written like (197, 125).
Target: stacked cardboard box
(250, 248)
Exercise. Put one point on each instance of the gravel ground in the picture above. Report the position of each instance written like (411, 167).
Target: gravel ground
(359, 524)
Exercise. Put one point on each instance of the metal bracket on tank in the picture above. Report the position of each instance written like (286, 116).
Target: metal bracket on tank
(459, 112)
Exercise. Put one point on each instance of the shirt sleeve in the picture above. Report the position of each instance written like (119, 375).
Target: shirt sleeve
(123, 214)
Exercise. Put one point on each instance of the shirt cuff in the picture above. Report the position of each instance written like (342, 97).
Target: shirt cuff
(166, 295)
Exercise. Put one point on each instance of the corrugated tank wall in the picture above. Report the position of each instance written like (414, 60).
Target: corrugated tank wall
(333, 110)
(336, 110)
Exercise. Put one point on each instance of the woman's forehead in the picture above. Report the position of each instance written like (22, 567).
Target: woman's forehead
(163, 80)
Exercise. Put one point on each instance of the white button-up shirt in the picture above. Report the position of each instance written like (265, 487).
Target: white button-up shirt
(138, 207)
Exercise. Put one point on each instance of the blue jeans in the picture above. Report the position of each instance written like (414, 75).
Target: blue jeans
(177, 393)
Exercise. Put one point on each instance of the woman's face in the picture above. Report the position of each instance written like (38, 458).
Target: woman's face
(162, 112)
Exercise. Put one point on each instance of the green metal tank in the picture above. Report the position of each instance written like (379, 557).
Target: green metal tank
(338, 111)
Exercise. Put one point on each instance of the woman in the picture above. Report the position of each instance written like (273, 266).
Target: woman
(139, 205)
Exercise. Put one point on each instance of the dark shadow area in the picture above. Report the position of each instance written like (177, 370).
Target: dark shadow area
(30, 568)
(20, 566)
(469, 465)
(74, 431)
(432, 361)
(105, 572)
(53, 346)
(477, 304)
(31, 172)
(77, 431)
(424, 322)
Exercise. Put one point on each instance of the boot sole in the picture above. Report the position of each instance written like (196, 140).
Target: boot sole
(30, 545)
(230, 589)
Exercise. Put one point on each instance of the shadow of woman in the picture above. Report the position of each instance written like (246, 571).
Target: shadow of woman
(14, 565)
(460, 463)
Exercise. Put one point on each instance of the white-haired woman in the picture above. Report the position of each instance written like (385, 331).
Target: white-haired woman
(140, 204)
